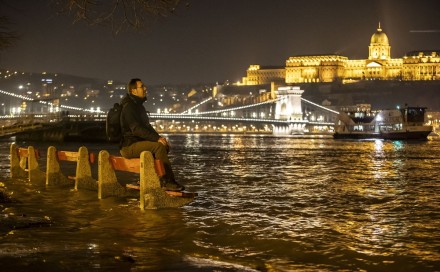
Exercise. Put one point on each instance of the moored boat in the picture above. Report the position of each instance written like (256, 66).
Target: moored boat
(396, 124)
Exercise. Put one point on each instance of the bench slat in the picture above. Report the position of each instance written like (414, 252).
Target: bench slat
(72, 156)
(23, 152)
(133, 165)
(123, 164)
(67, 156)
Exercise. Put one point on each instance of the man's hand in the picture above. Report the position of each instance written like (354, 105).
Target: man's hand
(164, 141)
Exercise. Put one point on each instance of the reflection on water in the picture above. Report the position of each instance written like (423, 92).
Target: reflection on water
(264, 204)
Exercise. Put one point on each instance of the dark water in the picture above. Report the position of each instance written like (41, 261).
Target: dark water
(264, 204)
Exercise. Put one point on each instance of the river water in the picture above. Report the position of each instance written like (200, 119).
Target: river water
(265, 204)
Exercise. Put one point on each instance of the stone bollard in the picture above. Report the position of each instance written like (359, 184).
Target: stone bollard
(83, 179)
(108, 184)
(35, 174)
(152, 196)
(54, 176)
(16, 170)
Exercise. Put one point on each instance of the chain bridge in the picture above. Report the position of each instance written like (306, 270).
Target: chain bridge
(287, 113)
(280, 112)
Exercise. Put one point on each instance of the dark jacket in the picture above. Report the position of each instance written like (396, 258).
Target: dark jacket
(135, 123)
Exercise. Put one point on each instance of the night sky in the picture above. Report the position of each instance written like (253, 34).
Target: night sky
(215, 40)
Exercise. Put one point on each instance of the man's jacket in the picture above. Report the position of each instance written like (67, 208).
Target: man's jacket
(135, 124)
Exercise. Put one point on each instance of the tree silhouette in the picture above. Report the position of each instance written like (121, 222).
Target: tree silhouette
(7, 37)
(119, 15)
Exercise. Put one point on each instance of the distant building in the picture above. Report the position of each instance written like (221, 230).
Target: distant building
(421, 65)
(230, 95)
(415, 65)
(258, 75)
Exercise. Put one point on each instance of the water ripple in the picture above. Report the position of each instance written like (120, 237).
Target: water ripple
(264, 204)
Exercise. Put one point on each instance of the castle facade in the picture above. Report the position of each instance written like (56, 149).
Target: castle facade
(414, 66)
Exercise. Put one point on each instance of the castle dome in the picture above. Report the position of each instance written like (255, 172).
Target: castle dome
(379, 37)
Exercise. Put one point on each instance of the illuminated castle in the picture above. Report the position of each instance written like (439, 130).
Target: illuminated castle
(415, 65)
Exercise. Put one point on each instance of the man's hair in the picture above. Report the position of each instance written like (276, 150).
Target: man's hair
(132, 84)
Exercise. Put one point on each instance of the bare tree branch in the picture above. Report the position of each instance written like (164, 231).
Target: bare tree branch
(8, 38)
(120, 15)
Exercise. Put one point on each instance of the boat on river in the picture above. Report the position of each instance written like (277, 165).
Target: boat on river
(395, 124)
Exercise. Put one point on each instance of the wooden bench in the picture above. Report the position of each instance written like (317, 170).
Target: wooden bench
(152, 196)
(24, 163)
(83, 177)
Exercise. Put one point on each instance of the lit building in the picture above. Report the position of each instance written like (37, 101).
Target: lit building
(421, 65)
(258, 75)
(415, 65)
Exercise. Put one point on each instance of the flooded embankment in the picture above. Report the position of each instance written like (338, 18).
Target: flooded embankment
(265, 204)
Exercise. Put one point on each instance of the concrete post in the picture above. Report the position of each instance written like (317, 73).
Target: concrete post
(84, 178)
(35, 174)
(152, 196)
(16, 170)
(107, 182)
(54, 176)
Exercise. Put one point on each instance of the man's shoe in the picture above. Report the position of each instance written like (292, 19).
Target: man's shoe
(173, 186)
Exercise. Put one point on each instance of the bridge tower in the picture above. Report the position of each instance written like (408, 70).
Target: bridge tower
(288, 108)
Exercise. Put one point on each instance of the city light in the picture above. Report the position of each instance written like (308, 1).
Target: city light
(251, 110)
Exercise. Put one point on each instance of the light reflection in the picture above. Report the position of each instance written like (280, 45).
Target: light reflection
(92, 246)
(398, 145)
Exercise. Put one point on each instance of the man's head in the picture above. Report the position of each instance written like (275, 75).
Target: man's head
(137, 88)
